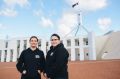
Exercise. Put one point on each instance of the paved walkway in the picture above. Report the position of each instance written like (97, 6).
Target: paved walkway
(107, 69)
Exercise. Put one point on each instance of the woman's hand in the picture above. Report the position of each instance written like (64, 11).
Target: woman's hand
(39, 71)
(24, 72)
(45, 75)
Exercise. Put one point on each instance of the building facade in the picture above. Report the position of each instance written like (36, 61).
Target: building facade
(80, 48)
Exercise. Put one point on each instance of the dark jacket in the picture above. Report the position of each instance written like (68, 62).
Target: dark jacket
(56, 62)
(31, 61)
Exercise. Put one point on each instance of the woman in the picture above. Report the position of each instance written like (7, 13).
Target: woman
(31, 61)
(56, 60)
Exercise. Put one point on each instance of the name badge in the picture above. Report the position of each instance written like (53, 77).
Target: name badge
(37, 56)
(51, 54)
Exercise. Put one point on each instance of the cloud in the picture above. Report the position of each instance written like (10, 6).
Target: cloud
(42, 4)
(52, 13)
(13, 3)
(104, 23)
(8, 12)
(63, 30)
(2, 26)
(9, 7)
(37, 12)
(46, 22)
(40, 12)
(67, 22)
(88, 5)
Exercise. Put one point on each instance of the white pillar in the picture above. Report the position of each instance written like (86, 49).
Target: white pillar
(14, 55)
(2, 55)
(8, 55)
(73, 49)
(48, 47)
(81, 48)
(43, 46)
(91, 43)
(28, 43)
(21, 46)
(15, 52)
(65, 43)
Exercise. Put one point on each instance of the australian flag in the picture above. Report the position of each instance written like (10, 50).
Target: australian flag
(74, 4)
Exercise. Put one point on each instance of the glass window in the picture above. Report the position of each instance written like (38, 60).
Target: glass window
(25, 44)
(77, 54)
(85, 40)
(47, 44)
(18, 48)
(6, 44)
(69, 42)
(69, 51)
(11, 55)
(0, 54)
(76, 42)
(86, 53)
(5, 55)
(39, 43)
(18, 43)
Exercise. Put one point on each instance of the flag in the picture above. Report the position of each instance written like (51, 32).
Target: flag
(74, 4)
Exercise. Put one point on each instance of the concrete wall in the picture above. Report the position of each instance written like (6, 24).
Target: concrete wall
(112, 48)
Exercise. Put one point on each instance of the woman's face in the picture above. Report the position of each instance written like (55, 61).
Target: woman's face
(54, 41)
(33, 43)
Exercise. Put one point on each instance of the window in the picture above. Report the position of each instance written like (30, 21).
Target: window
(47, 44)
(76, 42)
(6, 44)
(18, 48)
(85, 41)
(77, 53)
(18, 43)
(69, 51)
(0, 54)
(11, 55)
(39, 44)
(68, 42)
(25, 44)
(87, 54)
(5, 55)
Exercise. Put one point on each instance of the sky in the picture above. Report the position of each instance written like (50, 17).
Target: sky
(25, 18)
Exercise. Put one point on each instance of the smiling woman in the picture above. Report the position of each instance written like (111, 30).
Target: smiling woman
(56, 60)
(31, 61)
